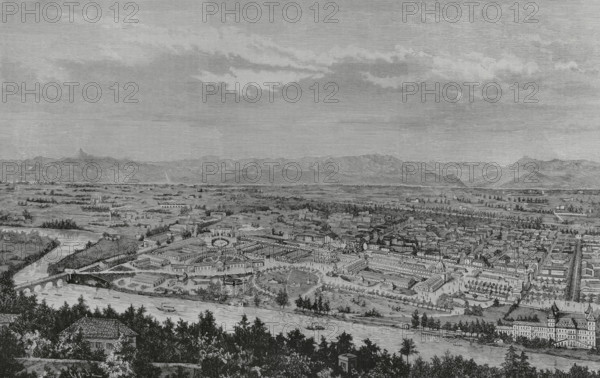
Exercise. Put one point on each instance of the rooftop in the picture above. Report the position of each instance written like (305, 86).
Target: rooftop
(100, 328)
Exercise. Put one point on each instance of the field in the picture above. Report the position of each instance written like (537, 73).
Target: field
(525, 312)
(104, 249)
(358, 304)
(490, 314)
(296, 282)
(18, 249)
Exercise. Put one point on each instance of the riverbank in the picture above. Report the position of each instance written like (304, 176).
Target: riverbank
(69, 240)
(386, 337)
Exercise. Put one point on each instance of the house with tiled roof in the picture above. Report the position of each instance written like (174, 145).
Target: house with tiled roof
(101, 333)
(569, 330)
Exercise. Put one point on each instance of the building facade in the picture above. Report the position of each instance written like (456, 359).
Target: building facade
(567, 330)
(102, 334)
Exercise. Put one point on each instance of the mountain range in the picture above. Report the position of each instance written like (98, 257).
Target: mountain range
(526, 173)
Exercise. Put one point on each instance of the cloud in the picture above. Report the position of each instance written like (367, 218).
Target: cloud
(244, 76)
(388, 82)
(567, 66)
(476, 66)
(471, 67)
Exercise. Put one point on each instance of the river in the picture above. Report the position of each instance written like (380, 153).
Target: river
(70, 240)
(227, 316)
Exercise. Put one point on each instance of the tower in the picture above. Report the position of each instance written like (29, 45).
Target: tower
(591, 319)
(551, 320)
(552, 317)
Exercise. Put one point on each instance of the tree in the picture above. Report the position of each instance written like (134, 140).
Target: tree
(35, 344)
(118, 363)
(389, 366)
(344, 343)
(424, 320)
(282, 298)
(415, 319)
(211, 357)
(524, 368)
(73, 346)
(142, 366)
(9, 350)
(511, 363)
(368, 355)
(289, 365)
(408, 348)
(314, 306)
(431, 323)
(306, 304)
(207, 324)
(27, 215)
(256, 300)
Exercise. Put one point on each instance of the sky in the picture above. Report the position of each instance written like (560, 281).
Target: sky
(361, 80)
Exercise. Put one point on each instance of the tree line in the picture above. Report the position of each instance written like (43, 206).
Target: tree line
(62, 224)
(319, 306)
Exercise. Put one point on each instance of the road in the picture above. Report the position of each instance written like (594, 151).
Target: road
(575, 283)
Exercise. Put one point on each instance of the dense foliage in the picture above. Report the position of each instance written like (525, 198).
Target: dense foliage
(63, 224)
(94, 252)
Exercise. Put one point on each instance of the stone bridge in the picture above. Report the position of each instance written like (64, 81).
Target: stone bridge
(96, 279)
(37, 285)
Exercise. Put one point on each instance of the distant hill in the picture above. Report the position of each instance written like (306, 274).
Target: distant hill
(552, 174)
(348, 170)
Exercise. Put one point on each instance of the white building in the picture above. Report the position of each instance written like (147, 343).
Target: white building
(568, 330)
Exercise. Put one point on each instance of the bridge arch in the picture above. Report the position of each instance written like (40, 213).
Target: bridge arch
(44, 283)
